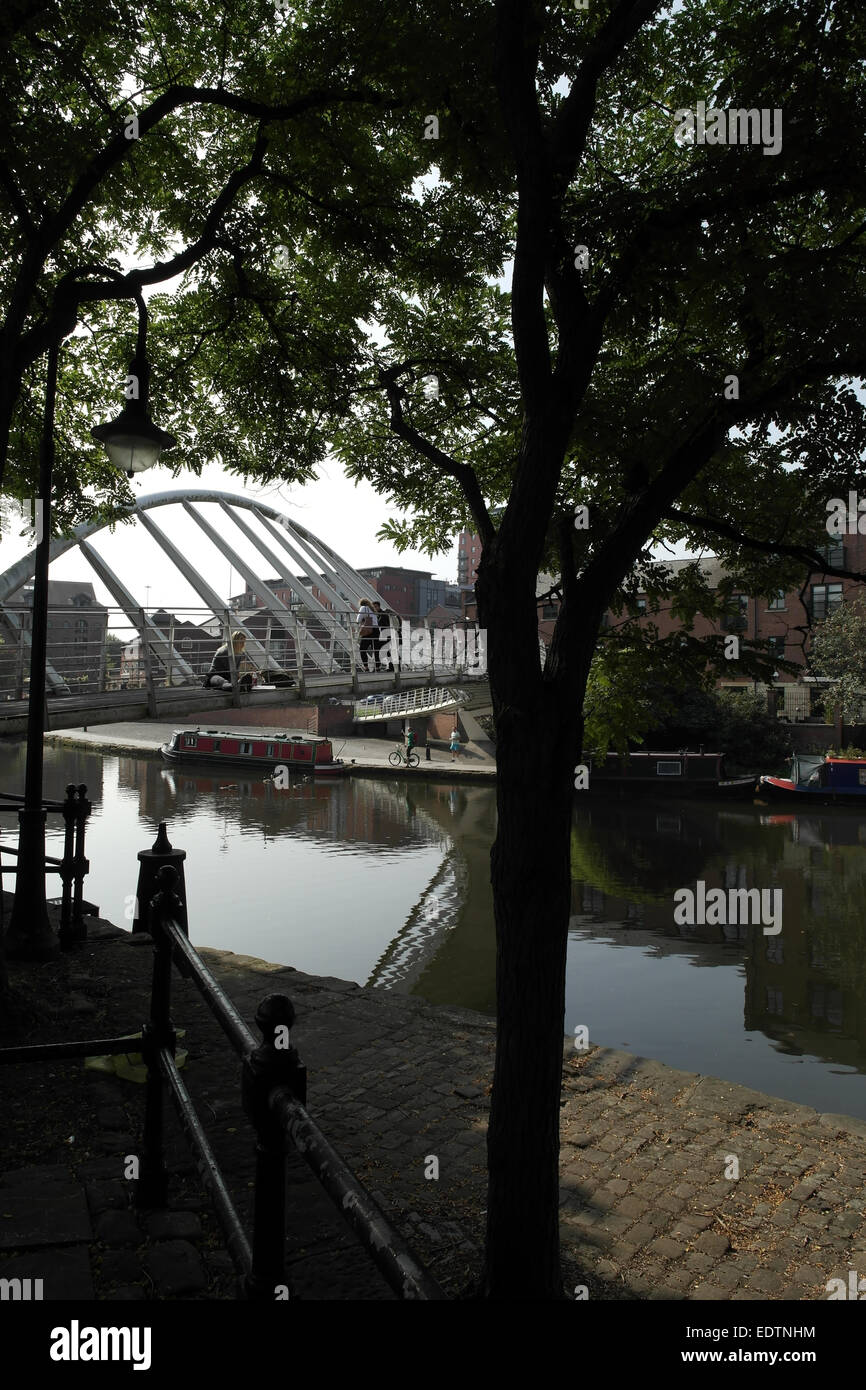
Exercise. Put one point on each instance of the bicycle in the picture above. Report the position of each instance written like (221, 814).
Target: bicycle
(398, 757)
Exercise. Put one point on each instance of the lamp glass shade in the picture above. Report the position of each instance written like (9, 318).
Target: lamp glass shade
(133, 454)
(133, 441)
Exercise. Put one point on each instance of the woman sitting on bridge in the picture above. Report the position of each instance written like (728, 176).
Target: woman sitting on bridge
(220, 673)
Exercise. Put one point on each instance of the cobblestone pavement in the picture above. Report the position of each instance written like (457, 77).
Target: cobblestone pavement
(647, 1211)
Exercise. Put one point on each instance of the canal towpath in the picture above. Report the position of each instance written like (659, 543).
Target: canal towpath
(365, 756)
(647, 1211)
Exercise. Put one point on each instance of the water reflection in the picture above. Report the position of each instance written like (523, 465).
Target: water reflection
(387, 883)
(802, 991)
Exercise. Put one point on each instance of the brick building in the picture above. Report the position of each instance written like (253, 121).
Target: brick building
(782, 619)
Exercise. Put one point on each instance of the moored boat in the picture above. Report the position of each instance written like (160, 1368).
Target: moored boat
(682, 773)
(255, 748)
(818, 778)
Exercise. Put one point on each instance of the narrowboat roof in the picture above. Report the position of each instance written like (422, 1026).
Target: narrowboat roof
(282, 735)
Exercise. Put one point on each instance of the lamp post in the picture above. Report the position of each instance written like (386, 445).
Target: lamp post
(133, 443)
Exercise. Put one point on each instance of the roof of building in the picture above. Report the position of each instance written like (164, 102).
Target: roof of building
(60, 592)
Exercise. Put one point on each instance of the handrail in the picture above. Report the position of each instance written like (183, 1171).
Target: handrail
(273, 1092)
(274, 1086)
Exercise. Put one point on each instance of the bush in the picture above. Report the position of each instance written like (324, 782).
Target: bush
(734, 723)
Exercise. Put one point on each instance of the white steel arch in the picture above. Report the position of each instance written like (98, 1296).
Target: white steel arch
(306, 561)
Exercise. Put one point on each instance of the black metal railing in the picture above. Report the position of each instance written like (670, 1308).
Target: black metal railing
(273, 1095)
(72, 867)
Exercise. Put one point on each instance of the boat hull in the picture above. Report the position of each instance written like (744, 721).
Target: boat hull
(268, 766)
(782, 789)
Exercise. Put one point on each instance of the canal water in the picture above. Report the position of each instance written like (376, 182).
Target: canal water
(386, 882)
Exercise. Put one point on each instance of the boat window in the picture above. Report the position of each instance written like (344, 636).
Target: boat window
(246, 748)
(270, 750)
(674, 768)
(189, 740)
(217, 744)
(861, 776)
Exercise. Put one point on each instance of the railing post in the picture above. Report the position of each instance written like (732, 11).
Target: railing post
(150, 862)
(67, 871)
(81, 865)
(353, 659)
(19, 675)
(148, 666)
(157, 1033)
(273, 1063)
(233, 664)
(301, 632)
(74, 867)
(170, 650)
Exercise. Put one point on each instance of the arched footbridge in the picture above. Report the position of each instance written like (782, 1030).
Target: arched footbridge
(124, 660)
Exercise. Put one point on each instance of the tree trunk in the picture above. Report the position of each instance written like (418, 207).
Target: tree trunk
(537, 748)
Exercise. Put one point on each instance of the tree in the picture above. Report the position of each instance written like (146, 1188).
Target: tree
(839, 655)
(674, 354)
(682, 327)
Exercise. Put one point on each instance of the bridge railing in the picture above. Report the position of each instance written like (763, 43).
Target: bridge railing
(97, 649)
(404, 705)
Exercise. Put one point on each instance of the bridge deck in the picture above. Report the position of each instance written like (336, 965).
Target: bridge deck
(190, 701)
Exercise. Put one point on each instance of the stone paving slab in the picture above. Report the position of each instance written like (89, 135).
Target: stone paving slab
(31, 1216)
(65, 1275)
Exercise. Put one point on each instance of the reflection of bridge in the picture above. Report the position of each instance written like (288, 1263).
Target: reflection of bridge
(300, 624)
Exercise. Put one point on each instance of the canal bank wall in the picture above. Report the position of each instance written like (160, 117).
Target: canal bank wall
(673, 1185)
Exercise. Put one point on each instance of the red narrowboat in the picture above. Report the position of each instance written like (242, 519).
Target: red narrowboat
(248, 748)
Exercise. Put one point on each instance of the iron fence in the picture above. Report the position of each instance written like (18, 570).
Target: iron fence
(273, 1094)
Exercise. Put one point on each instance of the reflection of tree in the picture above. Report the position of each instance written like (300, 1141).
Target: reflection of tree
(838, 926)
(619, 850)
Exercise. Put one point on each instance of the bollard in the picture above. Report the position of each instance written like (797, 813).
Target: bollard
(151, 861)
(273, 1063)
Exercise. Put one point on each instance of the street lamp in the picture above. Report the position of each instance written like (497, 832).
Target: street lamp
(132, 440)
(133, 443)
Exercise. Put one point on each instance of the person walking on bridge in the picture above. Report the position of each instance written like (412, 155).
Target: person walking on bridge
(368, 631)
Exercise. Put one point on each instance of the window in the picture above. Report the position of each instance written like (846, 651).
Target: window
(776, 645)
(189, 741)
(641, 605)
(270, 750)
(217, 745)
(549, 610)
(672, 768)
(826, 598)
(833, 553)
(246, 748)
(777, 600)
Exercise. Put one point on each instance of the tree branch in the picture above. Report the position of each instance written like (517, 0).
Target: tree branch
(442, 462)
(572, 125)
(816, 562)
